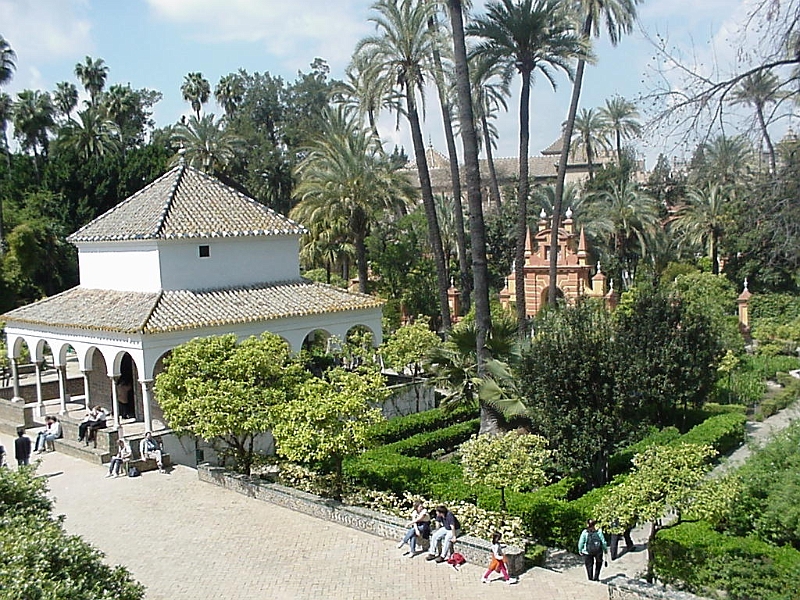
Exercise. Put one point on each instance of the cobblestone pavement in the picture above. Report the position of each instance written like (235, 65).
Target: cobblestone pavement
(185, 539)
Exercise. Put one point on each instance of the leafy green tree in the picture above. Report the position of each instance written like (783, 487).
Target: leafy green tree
(672, 478)
(40, 560)
(701, 221)
(567, 377)
(196, 90)
(131, 111)
(230, 93)
(410, 346)
(515, 461)
(330, 419)
(402, 47)
(33, 118)
(92, 74)
(525, 37)
(216, 389)
(667, 356)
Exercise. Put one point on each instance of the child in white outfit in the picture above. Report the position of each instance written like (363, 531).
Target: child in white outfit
(498, 562)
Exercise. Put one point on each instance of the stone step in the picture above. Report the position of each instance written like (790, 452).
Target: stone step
(78, 450)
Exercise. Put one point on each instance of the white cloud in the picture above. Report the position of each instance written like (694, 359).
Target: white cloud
(287, 29)
(42, 31)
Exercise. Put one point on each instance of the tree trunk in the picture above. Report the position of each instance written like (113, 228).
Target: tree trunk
(494, 187)
(361, 262)
(522, 204)
(589, 159)
(465, 286)
(569, 127)
(434, 234)
(770, 148)
(469, 139)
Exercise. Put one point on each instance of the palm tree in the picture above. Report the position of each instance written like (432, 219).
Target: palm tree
(8, 61)
(33, 116)
(700, 222)
(207, 145)
(92, 74)
(626, 219)
(91, 135)
(527, 36)
(347, 178)
(402, 48)
(443, 86)
(589, 136)
(5, 116)
(367, 90)
(618, 16)
(489, 93)
(230, 93)
(65, 98)
(725, 159)
(196, 90)
(758, 90)
(623, 121)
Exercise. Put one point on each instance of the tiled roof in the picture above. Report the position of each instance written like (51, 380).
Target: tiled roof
(158, 312)
(185, 203)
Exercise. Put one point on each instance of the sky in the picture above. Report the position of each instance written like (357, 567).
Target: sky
(155, 43)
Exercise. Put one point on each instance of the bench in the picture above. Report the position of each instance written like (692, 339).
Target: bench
(145, 465)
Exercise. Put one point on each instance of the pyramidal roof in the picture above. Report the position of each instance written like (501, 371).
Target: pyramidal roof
(185, 203)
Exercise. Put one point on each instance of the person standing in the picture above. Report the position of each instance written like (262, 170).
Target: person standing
(498, 562)
(22, 448)
(615, 535)
(447, 534)
(592, 545)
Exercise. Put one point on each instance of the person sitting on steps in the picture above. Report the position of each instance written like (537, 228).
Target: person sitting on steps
(149, 448)
(51, 433)
(98, 423)
(123, 454)
(90, 417)
(447, 534)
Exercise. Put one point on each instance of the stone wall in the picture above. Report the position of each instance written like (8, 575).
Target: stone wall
(50, 390)
(623, 588)
(14, 414)
(475, 550)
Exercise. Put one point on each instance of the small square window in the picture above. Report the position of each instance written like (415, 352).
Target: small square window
(205, 251)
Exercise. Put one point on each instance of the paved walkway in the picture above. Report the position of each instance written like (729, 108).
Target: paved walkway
(185, 539)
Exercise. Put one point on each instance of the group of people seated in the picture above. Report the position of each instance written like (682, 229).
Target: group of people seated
(94, 420)
(149, 448)
(51, 432)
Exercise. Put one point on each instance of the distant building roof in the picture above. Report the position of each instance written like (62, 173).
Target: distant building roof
(159, 312)
(185, 203)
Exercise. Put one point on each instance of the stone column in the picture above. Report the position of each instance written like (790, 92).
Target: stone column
(62, 388)
(86, 388)
(39, 399)
(15, 381)
(147, 398)
(115, 400)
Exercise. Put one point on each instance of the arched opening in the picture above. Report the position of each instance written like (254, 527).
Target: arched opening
(128, 391)
(546, 296)
(318, 342)
(155, 408)
(99, 381)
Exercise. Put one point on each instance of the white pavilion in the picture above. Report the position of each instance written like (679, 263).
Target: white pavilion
(185, 257)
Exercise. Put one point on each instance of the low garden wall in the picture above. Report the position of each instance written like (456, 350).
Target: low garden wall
(475, 550)
(623, 588)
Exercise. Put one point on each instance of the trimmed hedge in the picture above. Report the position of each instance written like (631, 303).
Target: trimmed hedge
(447, 440)
(701, 559)
(620, 462)
(724, 432)
(789, 393)
(401, 428)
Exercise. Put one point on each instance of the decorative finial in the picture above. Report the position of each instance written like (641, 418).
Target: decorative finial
(745, 285)
(610, 285)
(543, 215)
(569, 213)
(182, 156)
(598, 268)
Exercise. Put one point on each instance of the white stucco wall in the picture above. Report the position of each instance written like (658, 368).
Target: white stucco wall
(231, 262)
(128, 267)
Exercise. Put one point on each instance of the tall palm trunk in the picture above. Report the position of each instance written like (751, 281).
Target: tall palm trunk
(361, 261)
(434, 234)
(494, 188)
(522, 203)
(569, 127)
(469, 139)
(447, 119)
(589, 159)
(770, 148)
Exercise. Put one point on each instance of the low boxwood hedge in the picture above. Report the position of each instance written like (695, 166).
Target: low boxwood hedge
(444, 440)
(620, 462)
(724, 432)
(401, 428)
(789, 393)
(705, 561)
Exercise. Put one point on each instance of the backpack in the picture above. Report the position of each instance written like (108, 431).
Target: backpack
(133, 472)
(593, 543)
(456, 559)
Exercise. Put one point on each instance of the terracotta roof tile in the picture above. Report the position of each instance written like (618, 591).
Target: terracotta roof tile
(185, 203)
(132, 312)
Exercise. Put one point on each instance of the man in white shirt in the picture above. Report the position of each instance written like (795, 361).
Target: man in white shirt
(149, 448)
(52, 432)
